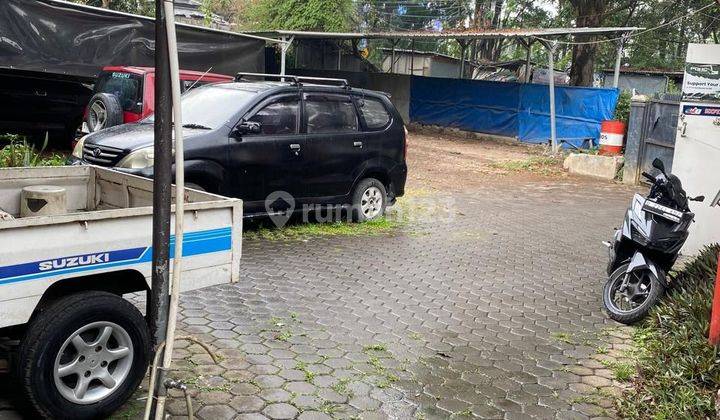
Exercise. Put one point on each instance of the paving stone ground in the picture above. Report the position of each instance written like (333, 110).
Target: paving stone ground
(485, 305)
(492, 309)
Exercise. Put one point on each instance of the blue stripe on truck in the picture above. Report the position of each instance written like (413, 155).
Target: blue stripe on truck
(194, 243)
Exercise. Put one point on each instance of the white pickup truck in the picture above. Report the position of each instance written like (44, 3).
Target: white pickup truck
(83, 349)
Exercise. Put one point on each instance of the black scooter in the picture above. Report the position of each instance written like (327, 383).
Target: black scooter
(646, 247)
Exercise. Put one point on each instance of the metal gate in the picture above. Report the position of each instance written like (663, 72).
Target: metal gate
(651, 134)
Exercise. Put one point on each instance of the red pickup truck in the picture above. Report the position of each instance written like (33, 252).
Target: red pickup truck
(125, 94)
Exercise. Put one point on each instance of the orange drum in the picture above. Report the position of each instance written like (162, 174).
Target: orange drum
(612, 137)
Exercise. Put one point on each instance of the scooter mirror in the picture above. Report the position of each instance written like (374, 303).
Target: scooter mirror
(659, 165)
(699, 198)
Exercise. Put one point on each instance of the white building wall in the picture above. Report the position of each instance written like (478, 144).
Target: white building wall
(697, 152)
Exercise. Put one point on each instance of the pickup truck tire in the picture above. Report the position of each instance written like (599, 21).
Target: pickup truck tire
(92, 338)
(104, 110)
(369, 200)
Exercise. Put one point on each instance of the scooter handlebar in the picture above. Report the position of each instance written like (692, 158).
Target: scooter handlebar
(649, 177)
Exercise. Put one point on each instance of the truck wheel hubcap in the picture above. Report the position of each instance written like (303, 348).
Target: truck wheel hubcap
(371, 202)
(93, 362)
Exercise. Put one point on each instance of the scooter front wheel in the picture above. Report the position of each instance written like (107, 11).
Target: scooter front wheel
(628, 297)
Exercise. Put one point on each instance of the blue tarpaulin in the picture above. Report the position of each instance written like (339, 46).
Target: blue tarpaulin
(511, 109)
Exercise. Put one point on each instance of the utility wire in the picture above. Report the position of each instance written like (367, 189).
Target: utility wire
(601, 41)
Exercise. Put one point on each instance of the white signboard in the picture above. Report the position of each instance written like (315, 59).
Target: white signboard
(701, 82)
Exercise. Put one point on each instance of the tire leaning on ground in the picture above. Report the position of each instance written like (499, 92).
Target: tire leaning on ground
(369, 200)
(104, 110)
(83, 356)
(642, 280)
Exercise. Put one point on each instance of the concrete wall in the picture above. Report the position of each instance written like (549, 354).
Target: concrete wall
(643, 83)
(397, 85)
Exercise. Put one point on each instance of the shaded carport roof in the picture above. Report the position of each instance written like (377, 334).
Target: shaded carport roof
(456, 34)
(525, 36)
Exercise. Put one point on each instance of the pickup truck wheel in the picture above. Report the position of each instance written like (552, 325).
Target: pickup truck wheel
(104, 110)
(369, 200)
(83, 356)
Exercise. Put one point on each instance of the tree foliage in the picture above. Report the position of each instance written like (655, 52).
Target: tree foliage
(305, 15)
(138, 7)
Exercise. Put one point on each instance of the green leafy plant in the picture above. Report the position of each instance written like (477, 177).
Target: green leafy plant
(18, 152)
(622, 109)
(678, 371)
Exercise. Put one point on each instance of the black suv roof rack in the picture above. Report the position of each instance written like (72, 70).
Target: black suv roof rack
(297, 80)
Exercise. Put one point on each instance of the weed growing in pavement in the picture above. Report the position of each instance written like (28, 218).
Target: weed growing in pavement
(199, 383)
(281, 328)
(375, 347)
(309, 375)
(544, 165)
(329, 408)
(308, 230)
(284, 335)
(464, 413)
(563, 337)
(678, 374)
(341, 386)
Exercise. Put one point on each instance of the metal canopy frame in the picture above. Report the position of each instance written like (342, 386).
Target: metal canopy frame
(547, 37)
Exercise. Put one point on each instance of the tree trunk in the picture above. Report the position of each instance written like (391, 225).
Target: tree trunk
(589, 14)
(106, 4)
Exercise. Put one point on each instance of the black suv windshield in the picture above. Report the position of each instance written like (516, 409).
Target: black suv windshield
(211, 106)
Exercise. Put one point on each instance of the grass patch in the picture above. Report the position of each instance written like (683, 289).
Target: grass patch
(544, 165)
(678, 371)
(306, 230)
(622, 371)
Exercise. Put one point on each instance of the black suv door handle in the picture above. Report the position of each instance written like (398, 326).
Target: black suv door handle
(295, 148)
(357, 144)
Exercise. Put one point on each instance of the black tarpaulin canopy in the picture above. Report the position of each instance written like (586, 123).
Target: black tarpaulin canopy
(64, 38)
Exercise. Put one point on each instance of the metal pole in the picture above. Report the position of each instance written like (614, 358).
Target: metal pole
(462, 58)
(392, 58)
(179, 206)
(528, 48)
(412, 57)
(618, 59)
(159, 296)
(283, 52)
(339, 54)
(551, 63)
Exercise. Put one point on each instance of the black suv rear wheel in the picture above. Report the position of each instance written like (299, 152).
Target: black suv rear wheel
(369, 200)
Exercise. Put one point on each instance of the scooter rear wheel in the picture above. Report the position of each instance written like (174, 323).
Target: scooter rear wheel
(629, 302)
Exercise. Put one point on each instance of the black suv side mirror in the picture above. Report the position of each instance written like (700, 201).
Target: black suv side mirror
(247, 127)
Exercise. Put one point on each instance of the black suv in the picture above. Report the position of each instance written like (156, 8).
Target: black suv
(270, 143)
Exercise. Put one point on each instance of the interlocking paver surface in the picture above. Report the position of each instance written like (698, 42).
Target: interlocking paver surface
(483, 312)
(490, 308)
